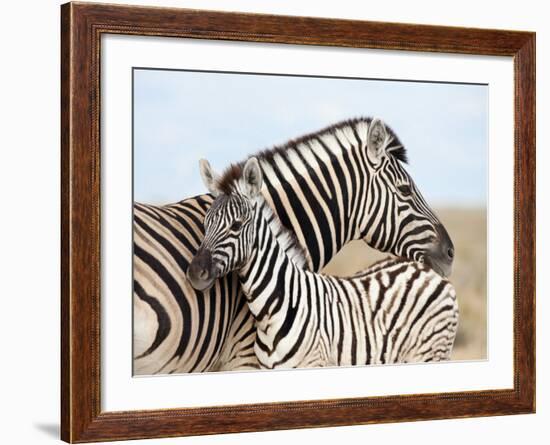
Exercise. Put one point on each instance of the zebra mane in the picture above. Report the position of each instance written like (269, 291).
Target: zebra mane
(396, 148)
(227, 181)
(286, 239)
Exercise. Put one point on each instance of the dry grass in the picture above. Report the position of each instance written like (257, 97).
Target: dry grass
(467, 228)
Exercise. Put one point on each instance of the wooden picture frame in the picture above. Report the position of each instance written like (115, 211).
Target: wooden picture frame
(82, 26)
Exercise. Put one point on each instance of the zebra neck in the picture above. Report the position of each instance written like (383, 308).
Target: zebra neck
(273, 254)
(318, 188)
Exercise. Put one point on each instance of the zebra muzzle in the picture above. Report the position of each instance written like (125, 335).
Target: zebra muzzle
(441, 256)
(199, 273)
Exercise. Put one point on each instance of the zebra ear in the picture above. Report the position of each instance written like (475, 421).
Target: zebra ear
(377, 137)
(252, 177)
(209, 177)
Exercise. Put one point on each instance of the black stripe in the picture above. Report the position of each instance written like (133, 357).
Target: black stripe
(163, 320)
(436, 293)
(404, 296)
(301, 216)
(332, 203)
(176, 291)
(167, 244)
(340, 179)
(324, 229)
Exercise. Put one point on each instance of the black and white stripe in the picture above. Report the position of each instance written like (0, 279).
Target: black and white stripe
(178, 329)
(328, 188)
(396, 311)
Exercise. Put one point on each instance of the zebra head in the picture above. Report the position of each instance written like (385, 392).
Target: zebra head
(229, 223)
(398, 219)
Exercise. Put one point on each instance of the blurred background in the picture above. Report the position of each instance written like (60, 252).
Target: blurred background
(182, 116)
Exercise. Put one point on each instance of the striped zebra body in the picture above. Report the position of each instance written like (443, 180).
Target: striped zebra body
(356, 321)
(342, 183)
(176, 328)
(396, 311)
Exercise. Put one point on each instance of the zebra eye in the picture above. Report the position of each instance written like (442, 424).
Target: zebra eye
(236, 226)
(405, 190)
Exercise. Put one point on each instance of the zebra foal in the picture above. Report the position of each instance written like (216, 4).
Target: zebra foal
(396, 311)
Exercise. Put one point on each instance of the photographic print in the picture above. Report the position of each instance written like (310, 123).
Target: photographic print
(286, 221)
(273, 222)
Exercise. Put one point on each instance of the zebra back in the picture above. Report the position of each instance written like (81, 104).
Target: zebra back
(178, 329)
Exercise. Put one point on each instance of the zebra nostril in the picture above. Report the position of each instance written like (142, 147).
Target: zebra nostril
(203, 274)
(451, 253)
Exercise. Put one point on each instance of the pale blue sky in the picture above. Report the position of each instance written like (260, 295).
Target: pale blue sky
(180, 117)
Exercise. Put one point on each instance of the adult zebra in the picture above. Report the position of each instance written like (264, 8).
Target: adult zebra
(397, 311)
(344, 182)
